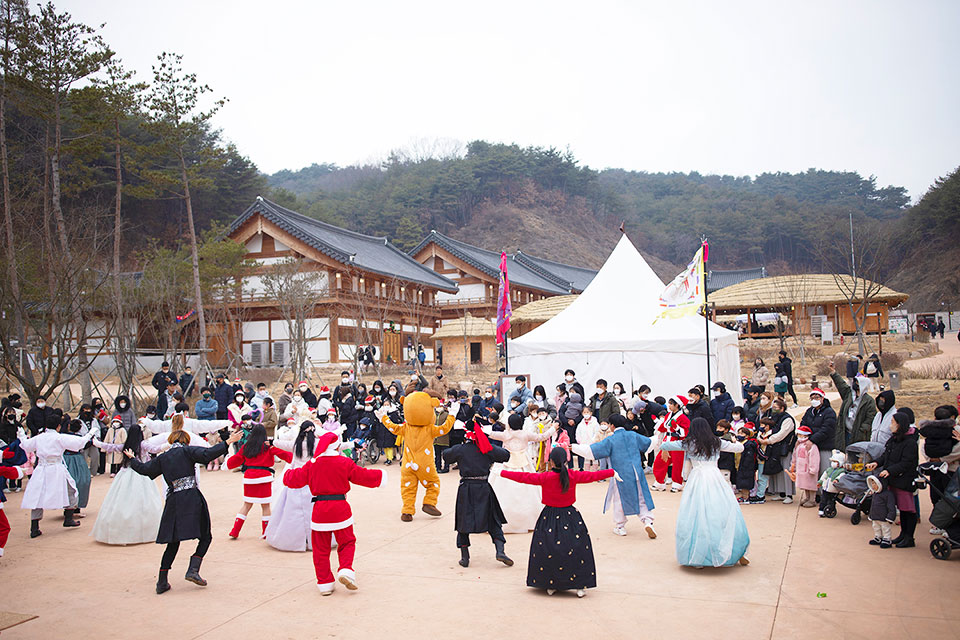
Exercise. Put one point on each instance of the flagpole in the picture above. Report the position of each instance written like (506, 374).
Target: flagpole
(706, 312)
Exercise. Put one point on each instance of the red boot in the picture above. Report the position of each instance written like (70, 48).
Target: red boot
(237, 525)
(264, 521)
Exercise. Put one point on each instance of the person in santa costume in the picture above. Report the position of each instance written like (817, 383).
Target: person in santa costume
(256, 459)
(478, 510)
(673, 427)
(329, 476)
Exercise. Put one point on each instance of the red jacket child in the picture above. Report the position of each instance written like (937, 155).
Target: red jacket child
(257, 481)
(329, 476)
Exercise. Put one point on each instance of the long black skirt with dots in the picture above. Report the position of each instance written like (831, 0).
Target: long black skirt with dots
(561, 554)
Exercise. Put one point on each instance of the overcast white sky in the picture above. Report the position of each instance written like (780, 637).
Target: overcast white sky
(729, 86)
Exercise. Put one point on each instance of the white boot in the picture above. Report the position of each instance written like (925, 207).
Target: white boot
(348, 579)
(326, 589)
(678, 486)
(651, 532)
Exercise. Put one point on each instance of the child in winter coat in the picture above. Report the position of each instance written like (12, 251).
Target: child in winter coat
(883, 511)
(587, 432)
(749, 459)
(727, 462)
(604, 431)
(805, 467)
(779, 380)
(828, 483)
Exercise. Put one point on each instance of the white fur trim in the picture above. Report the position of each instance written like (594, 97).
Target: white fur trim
(241, 516)
(260, 480)
(350, 573)
(331, 526)
(1, 552)
(265, 518)
(326, 587)
(383, 478)
(266, 500)
(1, 506)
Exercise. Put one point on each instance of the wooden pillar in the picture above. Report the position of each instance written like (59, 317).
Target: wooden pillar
(334, 338)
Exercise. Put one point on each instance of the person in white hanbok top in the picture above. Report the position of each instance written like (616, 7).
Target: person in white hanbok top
(51, 486)
(289, 527)
(520, 503)
(130, 512)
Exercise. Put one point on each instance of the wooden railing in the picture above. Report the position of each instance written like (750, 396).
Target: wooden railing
(465, 302)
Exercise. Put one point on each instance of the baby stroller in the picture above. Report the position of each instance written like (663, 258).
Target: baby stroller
(852, 485)
(946, 516)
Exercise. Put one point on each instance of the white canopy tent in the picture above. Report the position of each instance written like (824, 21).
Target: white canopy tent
(609, 332)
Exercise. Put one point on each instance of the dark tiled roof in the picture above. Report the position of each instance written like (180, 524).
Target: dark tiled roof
(350, 248)
(489, 262)
(719, 279)
(577, 278)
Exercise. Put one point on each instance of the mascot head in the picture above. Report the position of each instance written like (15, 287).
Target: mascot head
(418, 409)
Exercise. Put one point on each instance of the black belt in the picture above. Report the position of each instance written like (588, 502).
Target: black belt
(72, 453)
(245, 467)
(329, 497)
(474, 478)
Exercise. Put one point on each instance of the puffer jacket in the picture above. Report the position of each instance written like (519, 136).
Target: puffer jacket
(900, 459)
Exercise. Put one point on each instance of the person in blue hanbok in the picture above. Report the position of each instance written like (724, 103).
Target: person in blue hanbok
(629, 494)
(710, 528)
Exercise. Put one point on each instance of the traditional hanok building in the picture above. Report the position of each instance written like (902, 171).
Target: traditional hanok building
(351, 289)
(477, 272)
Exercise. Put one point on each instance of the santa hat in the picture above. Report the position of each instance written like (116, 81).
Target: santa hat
(804, 430)
(237, 379)
(480, 438)
(331, 411)
(328, 443)
(680, 400)
(324, 390)
(368, 400)
(117, 419)
(818, 390)
(303, 382)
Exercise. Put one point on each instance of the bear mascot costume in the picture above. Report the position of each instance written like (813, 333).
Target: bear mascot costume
(418, 431)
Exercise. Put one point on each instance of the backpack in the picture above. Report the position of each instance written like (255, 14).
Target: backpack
(871, 367)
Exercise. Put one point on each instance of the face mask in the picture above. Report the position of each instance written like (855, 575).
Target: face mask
(776, 409)
(600, 391)
(814, 402)
(514, 405)
(717, 392)
(206, 396)
(488, 395)
(288, 390)
(741, 437)
(393, 393)
(41, 405)
(303, 387)
(414, 378)
(262, 394)
(151, 415)
(764, 401)
(587, 417)
(368, 407)
(720, 432)
(736, 418)
(834, 464)
(644, 396)
(569, 378)
(520, 385)
(239, 399)
(756, 364)
(344, 380)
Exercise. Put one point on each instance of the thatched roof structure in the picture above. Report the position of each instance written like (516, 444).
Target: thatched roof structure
(805, 289)
(542, 310)
(469, 326)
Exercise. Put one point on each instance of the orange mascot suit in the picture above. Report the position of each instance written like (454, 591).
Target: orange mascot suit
(418, 431)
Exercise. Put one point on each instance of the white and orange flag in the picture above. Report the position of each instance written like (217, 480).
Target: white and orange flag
(686, 294)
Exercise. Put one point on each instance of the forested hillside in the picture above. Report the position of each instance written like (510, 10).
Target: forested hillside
(545, 201)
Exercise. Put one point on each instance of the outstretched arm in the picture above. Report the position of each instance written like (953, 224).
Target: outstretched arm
(583, 450)
(524, 477)
(392, 427)
(447, 425)
(581, 477)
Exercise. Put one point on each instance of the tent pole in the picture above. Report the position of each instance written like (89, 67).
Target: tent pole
(506, 355)
(706, 319)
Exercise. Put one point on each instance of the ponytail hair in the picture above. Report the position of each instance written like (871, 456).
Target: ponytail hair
(256, 441)
(558, 460)
(176, 422)
(178, 437)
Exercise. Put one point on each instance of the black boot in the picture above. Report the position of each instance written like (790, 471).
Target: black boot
(908, 525)
(35, 529)
(464, 556)
(193, 573)
(68, 520)
(501, 555)
(162, 585)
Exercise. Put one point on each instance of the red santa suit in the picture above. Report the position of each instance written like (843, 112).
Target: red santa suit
(329, 476)
(671, 428)
(257, 479)
(10, 473)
